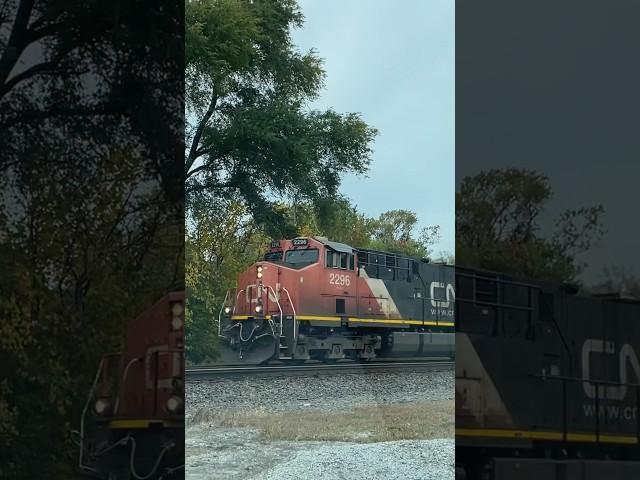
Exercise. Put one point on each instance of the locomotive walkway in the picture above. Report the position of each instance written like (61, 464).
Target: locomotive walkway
(311, 369)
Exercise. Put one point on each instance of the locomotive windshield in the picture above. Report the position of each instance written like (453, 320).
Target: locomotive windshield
(273, 257)
(300, 258)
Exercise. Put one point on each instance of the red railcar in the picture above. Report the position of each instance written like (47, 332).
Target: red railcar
(132, 425)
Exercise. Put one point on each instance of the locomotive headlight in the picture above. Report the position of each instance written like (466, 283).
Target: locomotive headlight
(227, 310)
(258, 308)
(176, 323)
(174, 404)
(259, 274)
(102, 406)
(177, 309)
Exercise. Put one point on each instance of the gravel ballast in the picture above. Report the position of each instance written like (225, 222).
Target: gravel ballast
(216, 451)
(323, 392)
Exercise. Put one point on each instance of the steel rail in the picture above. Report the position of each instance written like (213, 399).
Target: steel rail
(221, 371)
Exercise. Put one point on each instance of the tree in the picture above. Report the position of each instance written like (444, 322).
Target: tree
(92, 225)
(81, 262)
(249, 131)
(336, 219)
(393, 231)
(498, 227)
(222, 240)
(619, 280)
(96, 68)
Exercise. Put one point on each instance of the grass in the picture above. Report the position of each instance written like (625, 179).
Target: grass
(379, 423)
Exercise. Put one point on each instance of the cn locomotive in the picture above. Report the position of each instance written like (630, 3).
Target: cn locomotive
(547, 381)
(311, 298)
(132, 425)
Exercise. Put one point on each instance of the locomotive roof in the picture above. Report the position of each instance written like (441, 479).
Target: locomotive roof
(344, 248)
(337, 246)
(551, 285)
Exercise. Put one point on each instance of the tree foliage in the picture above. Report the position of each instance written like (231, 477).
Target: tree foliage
(91, 229)
(499, 226)
(222, 240)
(250, 132)
(84, 261)
(620, 281)
(393, 231)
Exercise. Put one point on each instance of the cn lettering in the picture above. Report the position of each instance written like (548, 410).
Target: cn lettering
(626, 356)
(450, 294)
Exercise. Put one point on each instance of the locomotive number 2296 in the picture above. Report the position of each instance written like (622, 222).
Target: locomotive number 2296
(337, 279)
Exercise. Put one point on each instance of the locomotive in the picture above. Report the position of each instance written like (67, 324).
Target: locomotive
(132, 425)
(547, 381)
(311, 298)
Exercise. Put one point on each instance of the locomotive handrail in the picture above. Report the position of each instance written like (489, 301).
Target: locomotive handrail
(495, 304)
(598, 384)
(278, 304)
(84, 414)
(582, 380)
(502, 281)
(498, 280)
(236, 302)
(124, 379)
(224, 302)
(295, 323)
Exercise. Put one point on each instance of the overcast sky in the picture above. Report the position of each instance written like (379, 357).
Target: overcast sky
(557, 94)
(394, 64)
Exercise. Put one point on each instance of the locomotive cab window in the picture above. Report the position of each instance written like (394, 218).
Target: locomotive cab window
(339, 260)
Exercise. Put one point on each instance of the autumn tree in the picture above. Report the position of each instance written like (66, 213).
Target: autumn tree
(499, 215)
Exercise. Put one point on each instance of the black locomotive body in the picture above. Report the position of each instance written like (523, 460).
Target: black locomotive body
(547, 381)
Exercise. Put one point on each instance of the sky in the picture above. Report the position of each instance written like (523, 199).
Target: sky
(394, 64)
(557, 94)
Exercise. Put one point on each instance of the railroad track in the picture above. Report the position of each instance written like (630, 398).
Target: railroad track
(310, 369)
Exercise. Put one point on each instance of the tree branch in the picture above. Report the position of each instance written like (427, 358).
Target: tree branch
(16, 41)
(196, 137)
(29, 72)
(30, 115)
(201, 168)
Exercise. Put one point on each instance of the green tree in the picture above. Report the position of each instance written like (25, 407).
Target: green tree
(393, 231)
(81, 262)
(250, 131)
(222, 240)
(336, 219)
(339, 220)
(498, 227)
(88, 236)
